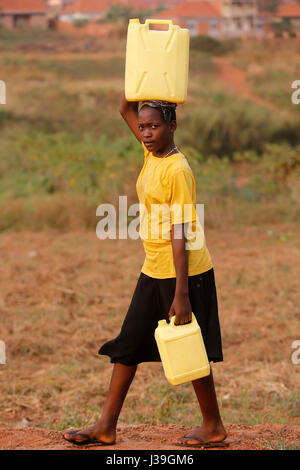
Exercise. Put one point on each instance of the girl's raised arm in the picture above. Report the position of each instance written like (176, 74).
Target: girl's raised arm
(129, 112)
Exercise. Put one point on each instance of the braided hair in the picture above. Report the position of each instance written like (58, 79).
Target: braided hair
(167, 109)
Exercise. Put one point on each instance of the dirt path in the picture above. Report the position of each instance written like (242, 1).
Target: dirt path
(144, 437)
(237, 81)
(57, 288)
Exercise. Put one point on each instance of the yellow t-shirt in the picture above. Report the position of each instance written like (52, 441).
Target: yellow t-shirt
(167, 194)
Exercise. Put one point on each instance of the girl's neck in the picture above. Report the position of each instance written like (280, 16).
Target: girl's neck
(166, 150)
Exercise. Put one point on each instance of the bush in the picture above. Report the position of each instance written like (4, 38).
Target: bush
(278, 34)
(225, 127)
(5, 116)
(80, 23)
(213, 46)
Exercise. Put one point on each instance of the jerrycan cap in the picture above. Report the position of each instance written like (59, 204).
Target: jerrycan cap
(162, 323)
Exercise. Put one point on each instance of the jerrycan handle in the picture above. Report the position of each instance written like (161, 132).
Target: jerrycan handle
(173, 320)
(154, 21)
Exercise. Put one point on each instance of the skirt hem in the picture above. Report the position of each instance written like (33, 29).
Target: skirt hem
(140, 361)
(150, 303)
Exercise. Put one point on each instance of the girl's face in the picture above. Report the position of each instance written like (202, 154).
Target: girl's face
(156, 133)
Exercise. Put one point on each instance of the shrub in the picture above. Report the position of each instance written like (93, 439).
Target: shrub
(213, 46)
(278, 34)
(5, 116)
(226, 127)
(80, 23)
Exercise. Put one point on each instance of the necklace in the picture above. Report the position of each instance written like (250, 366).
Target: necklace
(144, 184)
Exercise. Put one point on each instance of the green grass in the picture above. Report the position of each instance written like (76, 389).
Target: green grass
(83, 69)
(168, 404)
(274, 86)
(281, 444)
(225, 126)
(63, 141)
(71, 420)
(44, 177)
(251, 407)
(9, 40)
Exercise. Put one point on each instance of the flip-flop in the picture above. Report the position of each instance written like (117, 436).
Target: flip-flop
(86, 440)
(202, 443)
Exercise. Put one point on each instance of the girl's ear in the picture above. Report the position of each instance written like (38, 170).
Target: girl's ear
(173, 126)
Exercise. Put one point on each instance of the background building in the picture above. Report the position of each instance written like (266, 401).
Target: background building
(15, 13)
(227, 18)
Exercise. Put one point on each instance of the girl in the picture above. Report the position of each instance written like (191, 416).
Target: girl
(173, 280)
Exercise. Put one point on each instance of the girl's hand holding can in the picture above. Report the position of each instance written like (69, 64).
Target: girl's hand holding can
(181, 308)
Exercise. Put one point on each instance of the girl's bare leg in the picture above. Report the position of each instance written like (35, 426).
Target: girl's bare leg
(212, 429)
(105, 428)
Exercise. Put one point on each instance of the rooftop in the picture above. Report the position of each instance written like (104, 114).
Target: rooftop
(193, 10)
(7, 6)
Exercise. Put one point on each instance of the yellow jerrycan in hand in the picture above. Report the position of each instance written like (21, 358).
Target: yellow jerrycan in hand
(182, 351)
(157, 62)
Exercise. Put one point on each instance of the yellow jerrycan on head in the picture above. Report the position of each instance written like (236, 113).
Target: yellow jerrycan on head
(156, 62)
(182, 351)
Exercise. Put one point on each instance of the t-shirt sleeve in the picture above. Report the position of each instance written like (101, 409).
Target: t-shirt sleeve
(182, 208)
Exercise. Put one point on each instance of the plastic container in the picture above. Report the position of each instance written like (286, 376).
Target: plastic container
(182, 351)
(157, 62)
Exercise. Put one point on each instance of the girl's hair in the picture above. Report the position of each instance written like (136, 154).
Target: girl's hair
(167, 109)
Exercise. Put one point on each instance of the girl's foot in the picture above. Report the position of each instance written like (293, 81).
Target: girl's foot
(205, 433)
(91, 433)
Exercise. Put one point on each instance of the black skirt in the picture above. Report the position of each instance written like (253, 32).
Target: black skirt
(150, 303)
